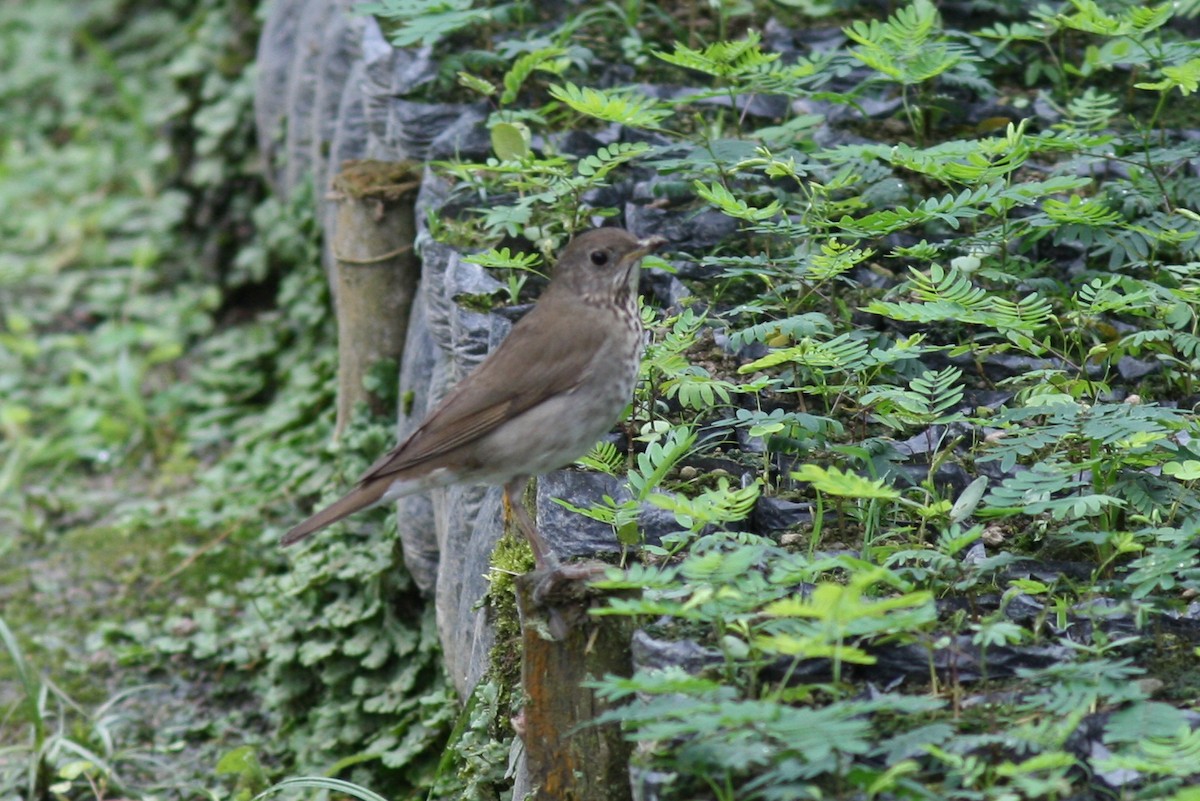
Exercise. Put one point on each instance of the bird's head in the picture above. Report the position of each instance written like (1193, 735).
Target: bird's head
(603, 263)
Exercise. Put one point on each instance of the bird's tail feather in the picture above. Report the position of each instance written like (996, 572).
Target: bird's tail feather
(360, 498)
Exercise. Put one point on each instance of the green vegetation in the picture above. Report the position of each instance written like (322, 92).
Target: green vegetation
(166, 379)
(166, 382)
(1027, 259)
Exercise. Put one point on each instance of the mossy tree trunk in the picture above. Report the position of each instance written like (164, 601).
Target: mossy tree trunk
(567, 756)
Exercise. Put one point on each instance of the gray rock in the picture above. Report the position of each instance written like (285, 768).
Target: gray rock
(273, 64)
(568, 534)
(422, 360)
(340, 50)
(301, 137)
(687, 230)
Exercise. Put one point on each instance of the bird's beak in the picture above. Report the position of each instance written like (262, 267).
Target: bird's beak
(646, 245)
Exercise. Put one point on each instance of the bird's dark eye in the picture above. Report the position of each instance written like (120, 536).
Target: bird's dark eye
(599, 257)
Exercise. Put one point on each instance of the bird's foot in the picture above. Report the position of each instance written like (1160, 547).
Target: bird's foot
(555, 584)
(562, 593)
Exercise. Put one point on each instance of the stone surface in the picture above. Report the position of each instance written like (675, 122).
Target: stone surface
(339, 51)
(302, 93)
(273, 60)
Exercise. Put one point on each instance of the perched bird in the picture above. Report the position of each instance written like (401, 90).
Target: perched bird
(552, 388)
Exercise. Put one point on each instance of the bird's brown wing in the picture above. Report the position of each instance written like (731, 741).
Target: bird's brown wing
(530, 366)
(462, 417)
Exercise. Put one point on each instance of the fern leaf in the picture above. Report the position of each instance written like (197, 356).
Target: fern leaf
(626, 108)
(832, 481)
(725, 200)
(722, 59)
(549, 59)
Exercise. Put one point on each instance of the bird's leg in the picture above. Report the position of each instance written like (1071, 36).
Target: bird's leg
(555, 587)
(514, 491)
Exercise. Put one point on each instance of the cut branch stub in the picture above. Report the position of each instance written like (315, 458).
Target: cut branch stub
(376, 273)
(568, 757)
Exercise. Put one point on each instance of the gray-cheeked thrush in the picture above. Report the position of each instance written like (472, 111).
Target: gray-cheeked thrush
(552, 388)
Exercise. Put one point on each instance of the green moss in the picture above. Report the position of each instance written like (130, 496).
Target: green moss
(511, 557)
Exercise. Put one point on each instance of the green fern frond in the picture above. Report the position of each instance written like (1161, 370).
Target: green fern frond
(928, 399)
(1050, 489)
(697, 390)
(1090, 18)
(949, 296)
(835, 259)
(603, 458)
(1135, 342)
(1080, 211)
(906, 47)
(1102, 296)
(947, 286)
(1015, 32)
(723, 199)
(1027, 314)
(598, 512)
(1136, 22)
(789, 329)
(505, 259)
(713, 506)
(658, 459)
(1090, 111)
(846, 352)
(1143, 19)
(722, 59)
(1029, 192)
(833, 481)
(1184, 77)
(1186, 344)
(909, 26)
(476, 84)
(939, 391)
(597, 166)
(427, 22)
(626, 108)
(950, 209)
(548, 59)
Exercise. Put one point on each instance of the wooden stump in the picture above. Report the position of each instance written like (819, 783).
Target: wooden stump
(567, 757)
(376, 273)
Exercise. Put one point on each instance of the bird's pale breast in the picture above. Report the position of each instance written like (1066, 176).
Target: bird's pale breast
(564, 427)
